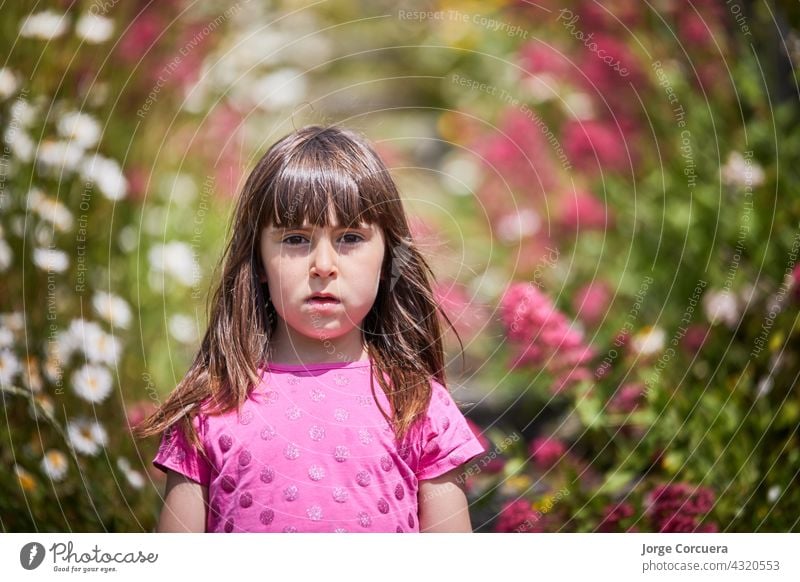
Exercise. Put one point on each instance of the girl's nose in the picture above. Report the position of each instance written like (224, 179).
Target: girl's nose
(323, 259)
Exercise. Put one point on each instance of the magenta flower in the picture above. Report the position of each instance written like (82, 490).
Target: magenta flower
(140, 37)
(676, 507)
(537, 58)
(591, 302)
(612, 515)
(581, 211)
(695, 338)
(519, 517)
(542, 335)
(519, 153)
(546, 451)
(607, 16)
(594, 146)
(468, 316)
(627, 398)
(795, 285)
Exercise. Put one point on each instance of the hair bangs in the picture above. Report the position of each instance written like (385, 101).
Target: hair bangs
(314, 190)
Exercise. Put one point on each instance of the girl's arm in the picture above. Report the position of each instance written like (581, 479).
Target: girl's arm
(443, 505)
(185, 503)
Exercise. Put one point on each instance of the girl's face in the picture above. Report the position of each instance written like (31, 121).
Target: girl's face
(343, 262)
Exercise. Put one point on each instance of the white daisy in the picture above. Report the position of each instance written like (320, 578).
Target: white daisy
(461, 173)
(86, 437)
(102, 347)
(9, 367)
(742, 172)
(13, 320)
(94, 28)
(177, 259)
(51, 260)
(92, 383)
(50, 210)
(578, 105)
(8, 83)
(52, 367)
(54, 465)
(6, 255)
(20, 143)
(112, 308)
(97, 345)
(518, 225)
(80, 128)
(23, 113)
(278, 89)
(107, 174)
(31, 377)
(135, 479)
(649, 340)
(44, 25)
(6, 337)
(183, 328)
(721, 306)
(56, 157)
(541, 87)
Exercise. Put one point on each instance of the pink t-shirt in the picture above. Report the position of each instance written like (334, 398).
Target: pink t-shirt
(310, 452)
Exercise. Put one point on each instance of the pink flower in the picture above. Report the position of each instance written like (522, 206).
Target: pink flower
(608, 15)
(594, 146)
(519, 153)
(591, 302)
(676, 507)
(612, 515)
(542, 335)
(140, 37)
(138, 179)
(695, 338)
(695, 29)
(795, 282)
(612, 72)
(581, 211)
(138, 411)
(546, 451)
(467, 315)
(537, 57)
(627, 398)
(519, 517)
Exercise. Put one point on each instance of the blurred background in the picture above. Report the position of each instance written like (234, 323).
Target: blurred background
(607, 191)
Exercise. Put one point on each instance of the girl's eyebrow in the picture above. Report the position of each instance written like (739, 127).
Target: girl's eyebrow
(362, 226)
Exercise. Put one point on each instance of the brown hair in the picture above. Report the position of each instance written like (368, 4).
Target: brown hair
(298, 179)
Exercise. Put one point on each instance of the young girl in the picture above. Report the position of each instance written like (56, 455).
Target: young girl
(317, 401)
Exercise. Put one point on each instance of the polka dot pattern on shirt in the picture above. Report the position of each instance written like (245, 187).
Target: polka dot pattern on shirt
(311, 451)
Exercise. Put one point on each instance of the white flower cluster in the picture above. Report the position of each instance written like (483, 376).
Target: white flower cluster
(134, 477)
(88, 338)
(86, 437)
(48, 25)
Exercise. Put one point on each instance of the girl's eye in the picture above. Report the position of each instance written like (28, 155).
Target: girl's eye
(357, 237)
(353, 239)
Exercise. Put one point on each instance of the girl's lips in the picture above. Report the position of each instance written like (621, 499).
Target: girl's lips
(323, 305)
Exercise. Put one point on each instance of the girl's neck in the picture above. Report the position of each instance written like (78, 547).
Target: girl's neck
(296, 349)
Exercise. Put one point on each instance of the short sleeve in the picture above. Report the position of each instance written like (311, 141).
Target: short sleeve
(176, 453)
(447, 440)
